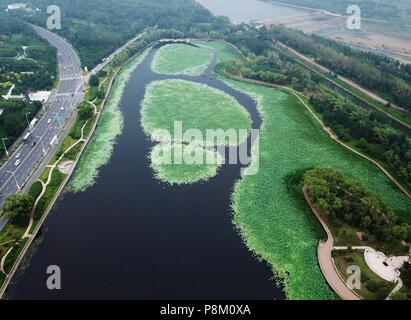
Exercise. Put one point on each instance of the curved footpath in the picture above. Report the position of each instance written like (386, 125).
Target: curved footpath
(31, 236)
(325, 260)
(324, 127)
(363, 90)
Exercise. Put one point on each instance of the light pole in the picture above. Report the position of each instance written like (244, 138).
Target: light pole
(15, 179)
(28, 122)
(5, 148)
(42, 144)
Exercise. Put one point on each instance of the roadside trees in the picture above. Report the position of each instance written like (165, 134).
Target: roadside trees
(18, 207)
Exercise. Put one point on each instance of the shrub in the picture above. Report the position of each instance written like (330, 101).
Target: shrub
(372, 286)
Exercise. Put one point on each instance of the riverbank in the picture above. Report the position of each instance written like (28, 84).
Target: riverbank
(325, 260)
(140, 219)
(57, 182)
(273, 219)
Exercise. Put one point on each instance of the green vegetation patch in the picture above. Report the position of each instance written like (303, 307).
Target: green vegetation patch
(225, 51)
(202, 163)
(196, 106)
(171, 108)
(349, 207)
(184, 59)
(110, 126)
(274, 221)
(372, 286)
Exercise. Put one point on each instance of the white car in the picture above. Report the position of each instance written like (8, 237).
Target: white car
(48, 121)
(62, 108)
(17, 163)
(18, 155)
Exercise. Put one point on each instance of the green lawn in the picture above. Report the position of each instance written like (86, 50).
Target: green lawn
(174, 59)
(372, 286)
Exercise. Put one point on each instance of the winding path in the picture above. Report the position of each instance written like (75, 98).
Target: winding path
(324, 127)
(325, 259)
(27, 233)
(365, 91)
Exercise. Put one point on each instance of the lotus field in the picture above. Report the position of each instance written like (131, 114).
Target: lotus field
(163, 163)
(269, 211)
(110, 126)
(194, 106)
(181, 59)
(274, 221)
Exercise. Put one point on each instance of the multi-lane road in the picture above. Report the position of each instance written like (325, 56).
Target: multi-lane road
(24, 161)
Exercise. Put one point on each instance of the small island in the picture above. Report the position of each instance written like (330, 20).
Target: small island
(171, 106)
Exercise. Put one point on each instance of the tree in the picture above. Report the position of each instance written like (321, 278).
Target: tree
(399, 296)
(406, 274)
(18, 207)
(100, 94)
(398, 232)
(85, 111)
(366, 222)
(94, 81)
(11, 127)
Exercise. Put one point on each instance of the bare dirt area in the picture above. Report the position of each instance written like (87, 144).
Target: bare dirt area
(372, 37)
(395, 47)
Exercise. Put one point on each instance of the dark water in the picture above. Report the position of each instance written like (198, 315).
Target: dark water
(131, 237)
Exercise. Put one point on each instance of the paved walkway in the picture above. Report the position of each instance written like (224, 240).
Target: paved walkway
(325, 260)
(324, 127)
(365, 91)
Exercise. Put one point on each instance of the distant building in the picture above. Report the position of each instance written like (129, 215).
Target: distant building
(175, 41)
(16, 6)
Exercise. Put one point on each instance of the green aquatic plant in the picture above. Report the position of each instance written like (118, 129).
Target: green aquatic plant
(198, 164)
(196, 106)
(172, 108)
(100, 148)
(181, 59)
(276, 224)
(224, 50)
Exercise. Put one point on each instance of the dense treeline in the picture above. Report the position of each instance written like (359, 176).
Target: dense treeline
(34, 68)
(273, 69)
(97, 29)
(381, 141)
(380, 74)
(31, 68)
(13, 120)
(344, 200)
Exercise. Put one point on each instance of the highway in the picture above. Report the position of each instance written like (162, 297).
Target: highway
(14, 175)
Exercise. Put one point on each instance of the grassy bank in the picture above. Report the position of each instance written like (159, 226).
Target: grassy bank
(274, 221)
(70, 148)
(225, 51)
(372, 286)
(395, 113)
(176, 59)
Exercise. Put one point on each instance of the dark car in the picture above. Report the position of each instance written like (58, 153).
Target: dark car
(33, 144)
